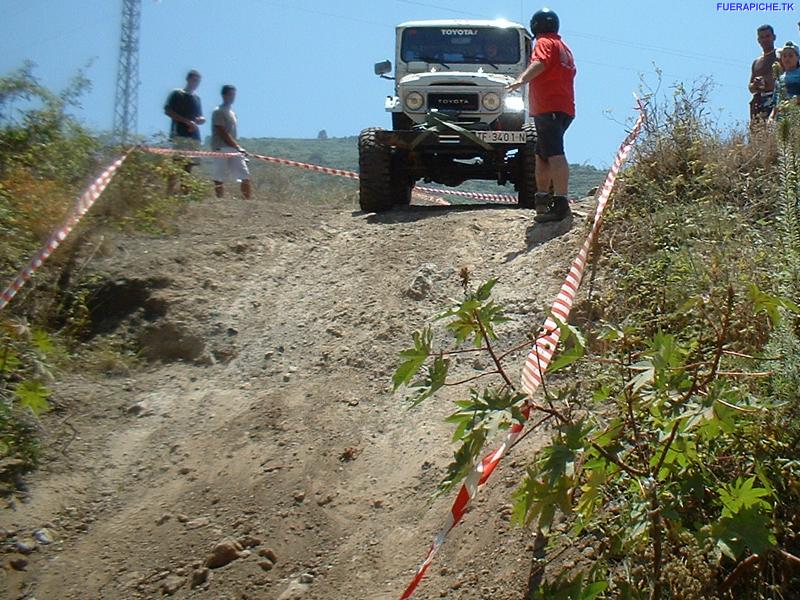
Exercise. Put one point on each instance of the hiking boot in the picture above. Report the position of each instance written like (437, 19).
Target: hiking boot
(559, 210)
(541, 202)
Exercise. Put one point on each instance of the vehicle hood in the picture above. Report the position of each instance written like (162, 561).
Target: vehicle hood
(455, 78)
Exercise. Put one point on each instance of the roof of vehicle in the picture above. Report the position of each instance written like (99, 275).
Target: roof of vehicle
(500, 23)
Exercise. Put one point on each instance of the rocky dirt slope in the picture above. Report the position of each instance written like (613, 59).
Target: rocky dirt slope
(263, 438)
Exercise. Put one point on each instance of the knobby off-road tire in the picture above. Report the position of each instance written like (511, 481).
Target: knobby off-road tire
(383, 174)
(526, 165)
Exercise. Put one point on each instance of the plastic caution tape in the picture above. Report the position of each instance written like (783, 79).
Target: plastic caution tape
(499, 198)
(188, 153)
(270, 159)
(82, 206)
(90, 196)
(308, 166)
(542, 352)
(535, 365)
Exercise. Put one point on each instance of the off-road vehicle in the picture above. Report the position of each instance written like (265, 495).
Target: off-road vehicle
(452, 118)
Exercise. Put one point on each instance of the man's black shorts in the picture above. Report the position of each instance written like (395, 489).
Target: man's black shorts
(550, 128)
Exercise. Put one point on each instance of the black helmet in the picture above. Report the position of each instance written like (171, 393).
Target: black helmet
(544, 21)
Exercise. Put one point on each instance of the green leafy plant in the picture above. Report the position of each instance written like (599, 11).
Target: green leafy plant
(471, 324)
(26, 359)
(654, 439)
(137, 198)
(47, 158)
(674, 447)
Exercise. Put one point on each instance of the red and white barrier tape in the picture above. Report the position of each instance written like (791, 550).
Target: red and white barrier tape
(499, 198)
(189, 153)
(90, 196)
(270, 159)
(535, 365)
(302, 165)
(84, 203)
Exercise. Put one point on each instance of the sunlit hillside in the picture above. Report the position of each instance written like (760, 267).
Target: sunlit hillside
(343, 153)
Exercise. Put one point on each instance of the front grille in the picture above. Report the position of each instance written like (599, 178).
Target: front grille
(453, 101)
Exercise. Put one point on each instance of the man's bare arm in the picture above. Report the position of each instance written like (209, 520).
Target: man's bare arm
(756, 83)
(226, 137)
(533, 70)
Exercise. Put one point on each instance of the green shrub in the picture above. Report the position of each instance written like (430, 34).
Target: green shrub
(137, 197)
(47, 158)
(26, 361)
(675, 449)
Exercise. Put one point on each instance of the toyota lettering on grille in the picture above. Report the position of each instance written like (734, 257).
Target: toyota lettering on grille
(453, 101)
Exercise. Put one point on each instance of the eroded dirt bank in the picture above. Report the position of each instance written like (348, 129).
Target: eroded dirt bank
(266, 415)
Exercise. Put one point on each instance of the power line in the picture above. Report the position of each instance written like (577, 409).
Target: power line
(622, 67)
(444, 8)
(61, 34)
(326, 14)
(608, 40)
(26, 7)
(639, 46)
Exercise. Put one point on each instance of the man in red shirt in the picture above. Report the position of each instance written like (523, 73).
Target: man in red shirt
(552, 95)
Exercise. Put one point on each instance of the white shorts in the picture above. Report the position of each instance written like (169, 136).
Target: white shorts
(233, 168)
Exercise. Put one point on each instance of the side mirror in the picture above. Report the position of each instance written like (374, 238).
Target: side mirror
(383, 67)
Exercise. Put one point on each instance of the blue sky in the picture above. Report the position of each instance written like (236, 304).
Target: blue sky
(305, 65)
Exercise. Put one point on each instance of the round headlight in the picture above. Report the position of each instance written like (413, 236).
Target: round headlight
(491, 101)
(414, 101)
(515, 103)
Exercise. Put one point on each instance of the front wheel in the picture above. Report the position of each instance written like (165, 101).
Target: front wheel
(384, 179)
(374, 173)
(526, 169)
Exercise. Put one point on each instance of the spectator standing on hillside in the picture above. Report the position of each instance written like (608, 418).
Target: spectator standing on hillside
(762, 80)
(184, 109)
(223, 139)
(551, 75)
(789, 81)
(787, 88)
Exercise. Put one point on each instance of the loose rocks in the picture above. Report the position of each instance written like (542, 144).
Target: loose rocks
(44, 536)
(199, 577)
(172, 584)
(269, 554)
(18, 564)
(224, 553)
(422, 283)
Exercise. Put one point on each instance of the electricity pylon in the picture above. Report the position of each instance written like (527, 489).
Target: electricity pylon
(126, 99)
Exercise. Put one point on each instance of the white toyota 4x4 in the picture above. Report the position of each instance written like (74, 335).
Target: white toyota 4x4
(452, 118)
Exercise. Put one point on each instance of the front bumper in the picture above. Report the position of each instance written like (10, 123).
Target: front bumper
(426, 140)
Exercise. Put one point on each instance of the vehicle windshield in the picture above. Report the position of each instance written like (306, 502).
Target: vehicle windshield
(461, 45)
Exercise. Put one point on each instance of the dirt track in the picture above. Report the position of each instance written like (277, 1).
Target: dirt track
(279, 423)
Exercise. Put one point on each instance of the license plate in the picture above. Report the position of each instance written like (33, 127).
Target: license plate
(502, 137)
